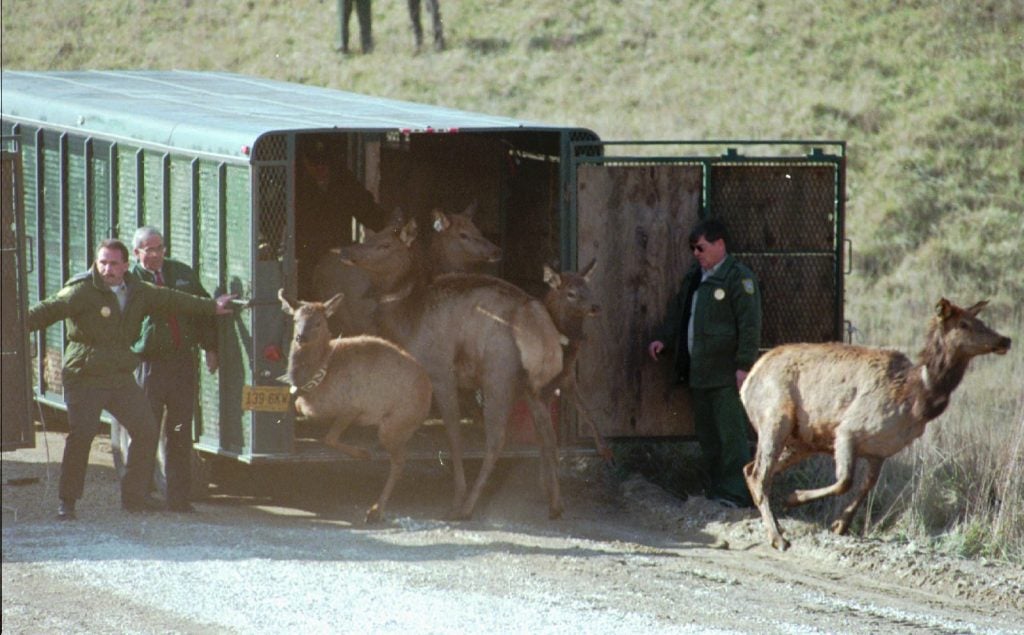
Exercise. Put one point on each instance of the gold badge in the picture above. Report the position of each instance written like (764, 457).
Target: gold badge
(105, 311)
(719, 294)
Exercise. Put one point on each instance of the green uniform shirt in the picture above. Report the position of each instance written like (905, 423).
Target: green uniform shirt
(727, 325)
(156, 340)
(100, 335)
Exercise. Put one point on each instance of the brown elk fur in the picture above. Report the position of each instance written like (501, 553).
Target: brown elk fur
(473, 332)
(569, 301)
(455, 244)
(361, 380)
(853, 402)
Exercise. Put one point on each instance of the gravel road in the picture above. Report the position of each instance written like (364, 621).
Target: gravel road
(286, 551)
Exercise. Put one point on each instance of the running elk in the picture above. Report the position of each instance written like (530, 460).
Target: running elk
(360, 380)
(569, 301)
(853, 402)
(473, 332)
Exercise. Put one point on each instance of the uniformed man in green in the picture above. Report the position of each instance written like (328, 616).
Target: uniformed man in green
(104, 308)
(713, 329)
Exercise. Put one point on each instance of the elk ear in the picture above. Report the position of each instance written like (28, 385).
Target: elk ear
(287, 305)
(441, 221)
(408, 232)
(471, 209)
(332, 305)
(944, 309)
(975, 309)
(589, 269)
(551, 277)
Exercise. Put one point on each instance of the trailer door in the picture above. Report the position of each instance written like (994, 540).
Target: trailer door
(16, 420)
(634, 214)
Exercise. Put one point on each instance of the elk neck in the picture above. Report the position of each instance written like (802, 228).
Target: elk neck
(939, 371)
(307, 364)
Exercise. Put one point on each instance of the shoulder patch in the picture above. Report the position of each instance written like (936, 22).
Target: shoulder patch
(748, 286)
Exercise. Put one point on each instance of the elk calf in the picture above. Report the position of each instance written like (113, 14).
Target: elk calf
(356, 381)
(569, 301)
(853, 402)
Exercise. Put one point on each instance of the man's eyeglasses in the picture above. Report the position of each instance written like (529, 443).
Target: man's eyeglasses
(155, 249)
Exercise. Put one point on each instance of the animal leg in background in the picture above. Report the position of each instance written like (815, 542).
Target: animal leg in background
(842, 522)
(846, 461)
(549, 454)
(332, 436)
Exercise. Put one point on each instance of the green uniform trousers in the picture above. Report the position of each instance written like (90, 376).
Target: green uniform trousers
(721, 426)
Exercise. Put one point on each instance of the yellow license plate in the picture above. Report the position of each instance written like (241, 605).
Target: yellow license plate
(265, 398)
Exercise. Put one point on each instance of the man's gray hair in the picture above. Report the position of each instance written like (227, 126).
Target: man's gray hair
(144, 233)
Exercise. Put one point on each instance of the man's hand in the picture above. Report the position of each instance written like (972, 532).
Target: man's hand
(224, 303)
(654, 348)
(212, 361)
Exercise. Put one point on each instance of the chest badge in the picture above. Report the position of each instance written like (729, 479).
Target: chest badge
(105, 311)
(719, 294)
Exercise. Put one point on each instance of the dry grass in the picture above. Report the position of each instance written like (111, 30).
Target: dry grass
(927, 94)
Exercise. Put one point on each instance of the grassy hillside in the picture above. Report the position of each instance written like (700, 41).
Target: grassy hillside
(929, 95)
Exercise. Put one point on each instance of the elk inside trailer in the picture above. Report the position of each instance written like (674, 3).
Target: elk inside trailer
(213, 160)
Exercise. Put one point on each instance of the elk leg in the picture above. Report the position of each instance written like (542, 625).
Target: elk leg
(842, 523)
(771, 443)
(846, 461)
(397, 452)
(334, 433)
(497, 408)
(438, 24)
(549, 454)
(447, 398)
(584, 410)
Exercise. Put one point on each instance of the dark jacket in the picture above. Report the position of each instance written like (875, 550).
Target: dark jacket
(727, 326)
(100, 335)
(155, 340)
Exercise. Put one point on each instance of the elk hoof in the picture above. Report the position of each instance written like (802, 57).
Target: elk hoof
(780, 543)
(839, 527)
(373, 515)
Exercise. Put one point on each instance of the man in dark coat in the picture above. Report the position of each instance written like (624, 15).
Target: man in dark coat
(713, 329)
(104, 309)
(167, 348)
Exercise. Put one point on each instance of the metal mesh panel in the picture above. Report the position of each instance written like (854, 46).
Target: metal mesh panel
(271, 148)
(798, 296)
(272, 205)
(787, 207)
(16, 419)
(180, 233)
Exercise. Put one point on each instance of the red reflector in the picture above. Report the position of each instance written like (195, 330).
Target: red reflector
(245, 150)
(272, 353)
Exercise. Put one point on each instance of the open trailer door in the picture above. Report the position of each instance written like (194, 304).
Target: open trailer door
(16, 420)
(633, 215)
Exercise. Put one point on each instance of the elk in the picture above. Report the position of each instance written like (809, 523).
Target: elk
(469, 331)
(361, 380)
(853, 402)
(454, 244)
(569, 301)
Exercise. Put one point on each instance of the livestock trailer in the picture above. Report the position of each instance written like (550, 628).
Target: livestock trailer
(210, 159)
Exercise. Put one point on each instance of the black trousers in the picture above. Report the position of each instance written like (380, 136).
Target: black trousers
(170, 386)
(131, 408)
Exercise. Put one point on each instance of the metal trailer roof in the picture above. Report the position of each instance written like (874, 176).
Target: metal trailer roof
(216, 113)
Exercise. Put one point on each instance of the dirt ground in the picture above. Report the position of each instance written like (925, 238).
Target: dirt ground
(284, 550)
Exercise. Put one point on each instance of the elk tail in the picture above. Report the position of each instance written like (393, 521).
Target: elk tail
(539, 344)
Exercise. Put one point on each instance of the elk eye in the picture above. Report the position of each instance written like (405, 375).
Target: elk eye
(463, 235)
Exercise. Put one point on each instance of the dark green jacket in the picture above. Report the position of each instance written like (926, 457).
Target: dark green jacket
(100, 335)
(726, 329)
(155, 340)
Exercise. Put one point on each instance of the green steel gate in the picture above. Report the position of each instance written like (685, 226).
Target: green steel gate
(16, 419)
(783, 203)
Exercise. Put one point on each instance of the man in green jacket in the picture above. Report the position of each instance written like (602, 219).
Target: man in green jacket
(167, 349)
(713, 329)
(104, 309)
